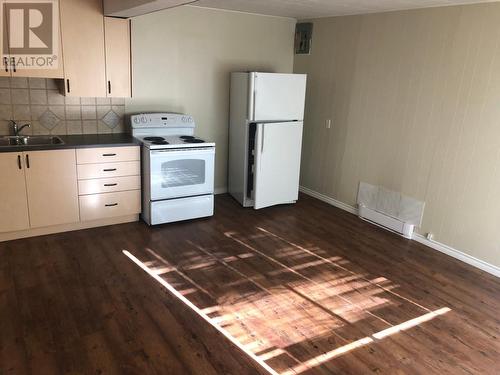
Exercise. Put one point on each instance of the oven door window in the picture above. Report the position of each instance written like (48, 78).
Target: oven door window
(176, 173)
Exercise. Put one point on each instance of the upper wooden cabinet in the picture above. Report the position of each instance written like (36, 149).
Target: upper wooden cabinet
(94, 52)
(82, 28)
(4, 68)
(117, 43)
(42, 73)
(11, 68)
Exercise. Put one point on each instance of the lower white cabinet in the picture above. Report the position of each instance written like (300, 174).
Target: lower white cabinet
(51, 187)
(109, 182)
(100, 206)
(13, 202)
(51, 191)
(38, 189)
(104, 170)
(109, 185)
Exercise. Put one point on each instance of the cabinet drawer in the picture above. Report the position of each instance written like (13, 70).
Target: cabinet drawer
(108, 185)
(99, 206)
(107, 154)
(104, 170)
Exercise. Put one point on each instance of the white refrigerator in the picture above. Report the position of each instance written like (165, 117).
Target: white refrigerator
(265, 137)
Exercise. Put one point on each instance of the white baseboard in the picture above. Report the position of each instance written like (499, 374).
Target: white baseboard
(457, 254)
(441, 247)
(333, 202)
(222, 190)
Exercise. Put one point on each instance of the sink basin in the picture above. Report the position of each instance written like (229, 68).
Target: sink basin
(30, 141)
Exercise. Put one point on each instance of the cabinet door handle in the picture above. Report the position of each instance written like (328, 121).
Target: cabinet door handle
(110, 184)
(108, 154)
(67, 86)
(27, 161)
(109, 170)
(14, 64)
(111, 204)
(6, 64)
(109, 87)
(19, 165)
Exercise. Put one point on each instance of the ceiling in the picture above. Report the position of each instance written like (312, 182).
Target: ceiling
(302, 9)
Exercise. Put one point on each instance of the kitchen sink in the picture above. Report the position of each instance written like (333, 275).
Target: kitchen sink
(30, 141)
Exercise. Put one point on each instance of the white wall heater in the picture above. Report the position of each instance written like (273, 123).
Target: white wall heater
(389, 209)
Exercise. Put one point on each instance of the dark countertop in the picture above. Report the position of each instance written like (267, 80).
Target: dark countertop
(81, 141)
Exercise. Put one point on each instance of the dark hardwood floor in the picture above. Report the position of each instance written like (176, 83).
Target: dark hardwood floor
(309, 289)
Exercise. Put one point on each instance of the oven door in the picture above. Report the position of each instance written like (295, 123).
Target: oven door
(182, 172)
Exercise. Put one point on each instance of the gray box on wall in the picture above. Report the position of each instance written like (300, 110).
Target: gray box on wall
(303, 38)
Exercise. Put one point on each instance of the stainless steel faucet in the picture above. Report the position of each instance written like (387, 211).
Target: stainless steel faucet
(16, 129)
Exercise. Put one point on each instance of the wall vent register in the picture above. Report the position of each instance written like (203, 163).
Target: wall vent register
(389, 209)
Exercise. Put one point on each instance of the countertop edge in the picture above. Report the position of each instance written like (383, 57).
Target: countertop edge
(80, 141)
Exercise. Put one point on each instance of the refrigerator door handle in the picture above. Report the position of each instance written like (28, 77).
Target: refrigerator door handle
(251, 96)
(262, 139)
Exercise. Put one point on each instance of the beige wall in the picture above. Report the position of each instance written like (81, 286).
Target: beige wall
(182, 58)
(414, 99)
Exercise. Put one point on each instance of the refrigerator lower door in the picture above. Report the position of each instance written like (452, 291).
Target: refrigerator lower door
(277, 163)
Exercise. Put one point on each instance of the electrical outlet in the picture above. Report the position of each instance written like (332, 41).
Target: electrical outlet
(430, 236)
(328, 124)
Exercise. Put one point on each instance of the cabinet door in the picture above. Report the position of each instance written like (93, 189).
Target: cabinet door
(82, 27)
(13, 204)
(117, 40)
(52, 187)
(45, 73)
(10, 68)
(277, 163)
(4, 68)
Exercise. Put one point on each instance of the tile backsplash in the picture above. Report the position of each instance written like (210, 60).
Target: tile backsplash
(38, 101)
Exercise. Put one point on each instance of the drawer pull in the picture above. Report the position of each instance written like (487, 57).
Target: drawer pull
(108, 154)
(109, 170)
(111, 184)
(111, 204)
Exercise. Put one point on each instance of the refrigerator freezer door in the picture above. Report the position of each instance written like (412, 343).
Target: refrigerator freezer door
(277, 163)
(278, 97)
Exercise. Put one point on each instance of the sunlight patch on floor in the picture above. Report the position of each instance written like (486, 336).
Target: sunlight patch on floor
(178, 295)
(286, 306)
(257, 338)
(305, 366)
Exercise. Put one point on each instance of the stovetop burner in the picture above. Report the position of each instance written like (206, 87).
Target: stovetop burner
(154, 139)
(159, 142)
(168, 141)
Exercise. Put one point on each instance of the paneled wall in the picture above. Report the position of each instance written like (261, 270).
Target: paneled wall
(414, 99)
(38, 101)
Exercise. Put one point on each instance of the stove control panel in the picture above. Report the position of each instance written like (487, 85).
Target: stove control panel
(161, 120)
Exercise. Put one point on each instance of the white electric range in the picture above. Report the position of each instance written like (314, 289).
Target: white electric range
(177, 168)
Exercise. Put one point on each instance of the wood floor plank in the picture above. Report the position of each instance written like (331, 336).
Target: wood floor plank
(307, 288)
